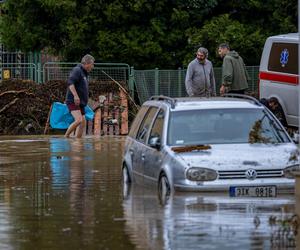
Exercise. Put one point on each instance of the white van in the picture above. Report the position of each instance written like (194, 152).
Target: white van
(278, 74)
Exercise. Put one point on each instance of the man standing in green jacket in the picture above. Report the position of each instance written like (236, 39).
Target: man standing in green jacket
(234, 75)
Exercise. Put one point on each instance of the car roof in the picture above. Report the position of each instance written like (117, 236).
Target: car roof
(193, 103)
(214, 103)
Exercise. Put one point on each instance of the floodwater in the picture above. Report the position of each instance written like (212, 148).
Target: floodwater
(58, 193)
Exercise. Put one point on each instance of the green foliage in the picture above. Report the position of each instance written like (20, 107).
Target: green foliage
(244, 25)
(34, 24)
(144, 33)
(285, 16)
(245, 39)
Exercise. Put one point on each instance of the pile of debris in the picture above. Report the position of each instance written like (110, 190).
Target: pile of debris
(25, 105)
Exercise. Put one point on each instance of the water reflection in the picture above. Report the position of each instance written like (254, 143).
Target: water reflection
(187, 221)
(61, 193)
(58, 193)
(4, 218)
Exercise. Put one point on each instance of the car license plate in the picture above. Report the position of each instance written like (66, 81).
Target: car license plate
(260, 191)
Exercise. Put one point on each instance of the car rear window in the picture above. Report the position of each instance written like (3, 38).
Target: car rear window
(284, 58)
(137, 121)
(224, 126)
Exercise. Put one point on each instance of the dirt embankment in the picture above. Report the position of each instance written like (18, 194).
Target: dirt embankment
(24, 105)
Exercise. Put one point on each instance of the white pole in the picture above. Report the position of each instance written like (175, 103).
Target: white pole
(298, 71)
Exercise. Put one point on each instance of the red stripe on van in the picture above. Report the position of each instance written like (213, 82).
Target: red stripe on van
(278, 78)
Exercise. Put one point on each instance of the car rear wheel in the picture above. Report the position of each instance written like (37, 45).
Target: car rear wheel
(164, 189)
(126, 182)
(125, 175)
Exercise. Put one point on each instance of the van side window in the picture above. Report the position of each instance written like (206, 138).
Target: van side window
(145, 125)
(284, 58)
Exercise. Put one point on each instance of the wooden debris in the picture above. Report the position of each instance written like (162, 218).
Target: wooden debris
(26, 104)
(111, 117)
(124, 114)
(97, 122)
(183, 149)
(9, 104)
(47, 126)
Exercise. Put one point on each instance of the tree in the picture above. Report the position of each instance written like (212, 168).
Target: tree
(144, 33)
(245, 25)
(34, 24)
(245, 39)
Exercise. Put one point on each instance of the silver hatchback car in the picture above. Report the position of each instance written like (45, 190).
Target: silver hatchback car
(231, 144)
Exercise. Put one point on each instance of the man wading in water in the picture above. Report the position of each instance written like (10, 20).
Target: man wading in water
(78, 94)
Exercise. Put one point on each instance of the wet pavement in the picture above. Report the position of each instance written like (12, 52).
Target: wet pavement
(58, 193)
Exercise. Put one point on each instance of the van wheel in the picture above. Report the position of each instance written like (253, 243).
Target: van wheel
(164, 189)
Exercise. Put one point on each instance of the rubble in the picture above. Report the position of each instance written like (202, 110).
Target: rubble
(25, 105)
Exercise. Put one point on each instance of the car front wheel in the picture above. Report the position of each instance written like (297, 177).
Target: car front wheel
(164, 189)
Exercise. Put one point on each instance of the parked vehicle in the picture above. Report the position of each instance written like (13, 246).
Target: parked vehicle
(278, 75)
(231, 144)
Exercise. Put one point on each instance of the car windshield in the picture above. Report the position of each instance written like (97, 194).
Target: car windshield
(219, 126)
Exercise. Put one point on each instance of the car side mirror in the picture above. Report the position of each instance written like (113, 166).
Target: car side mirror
(154, 142)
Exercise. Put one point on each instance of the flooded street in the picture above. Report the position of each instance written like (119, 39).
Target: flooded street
(58, 193)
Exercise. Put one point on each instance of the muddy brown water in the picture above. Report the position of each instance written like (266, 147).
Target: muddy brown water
(58, 193)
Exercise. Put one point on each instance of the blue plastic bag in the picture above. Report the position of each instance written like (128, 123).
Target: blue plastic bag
(61, 118)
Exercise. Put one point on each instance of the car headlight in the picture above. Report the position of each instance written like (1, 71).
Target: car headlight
(290, 172)
(201, 174)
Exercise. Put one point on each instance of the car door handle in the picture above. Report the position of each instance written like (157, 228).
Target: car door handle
(143, 157)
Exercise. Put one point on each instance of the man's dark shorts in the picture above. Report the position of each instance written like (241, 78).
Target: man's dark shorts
(72, 107)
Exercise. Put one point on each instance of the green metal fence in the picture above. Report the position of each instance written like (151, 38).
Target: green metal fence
(171, 82)
(116, 72)
(41, 67)
(25, 66)
(101, 71)
(24, 71)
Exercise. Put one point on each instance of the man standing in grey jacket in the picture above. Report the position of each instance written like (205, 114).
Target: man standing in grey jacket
(200, 80)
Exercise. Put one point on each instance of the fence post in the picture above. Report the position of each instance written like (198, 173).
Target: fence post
(18, 69)
(131, 82)
(31, 68)
(253, 80)
(37, 61)
(39, 79)
(39, 66)
(1, 59)
(156, 81)
(179, 83)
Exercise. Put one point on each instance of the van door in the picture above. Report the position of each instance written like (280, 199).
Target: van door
(279, 76)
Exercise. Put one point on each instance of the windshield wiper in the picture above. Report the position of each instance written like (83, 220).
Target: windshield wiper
(189, 148)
